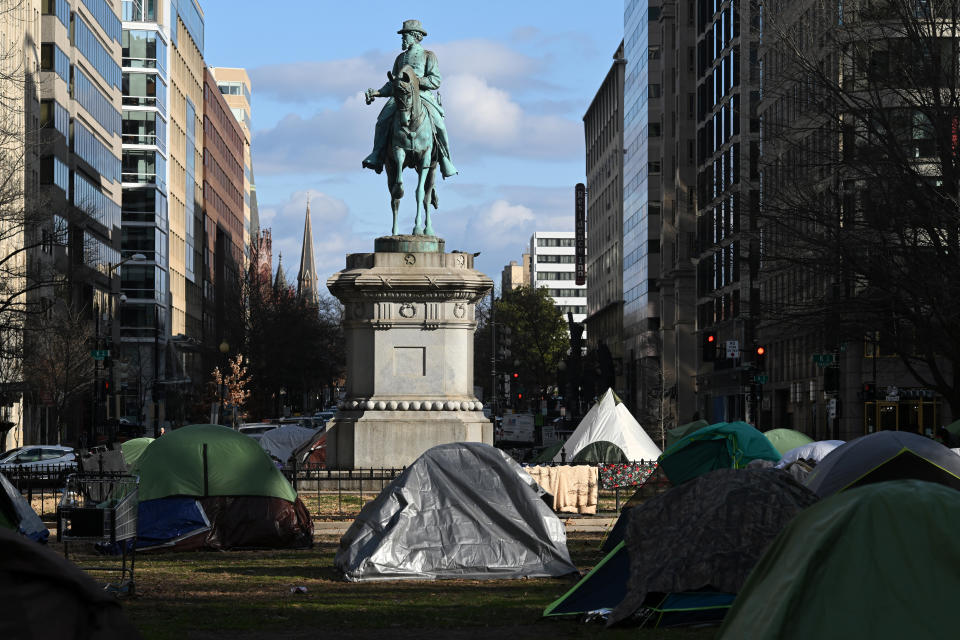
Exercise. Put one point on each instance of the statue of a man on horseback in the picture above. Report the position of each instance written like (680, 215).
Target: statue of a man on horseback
(410, 129)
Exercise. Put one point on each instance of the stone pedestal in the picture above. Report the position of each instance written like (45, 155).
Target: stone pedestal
(409, 322)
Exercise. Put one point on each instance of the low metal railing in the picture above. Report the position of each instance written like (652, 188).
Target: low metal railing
(41, 485)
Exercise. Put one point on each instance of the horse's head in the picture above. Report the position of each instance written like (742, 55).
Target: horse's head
(406, 88)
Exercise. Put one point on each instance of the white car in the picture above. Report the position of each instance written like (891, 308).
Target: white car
(38, 455)
(256, 429)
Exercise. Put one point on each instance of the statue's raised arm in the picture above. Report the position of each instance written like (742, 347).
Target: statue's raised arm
(410, 130)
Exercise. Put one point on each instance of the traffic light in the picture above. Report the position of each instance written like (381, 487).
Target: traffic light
(869, 391)
(104, 388)
(709, 346)
(760, 356)
(515, 375)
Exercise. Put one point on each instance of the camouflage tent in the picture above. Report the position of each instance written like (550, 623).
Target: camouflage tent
(707, 534)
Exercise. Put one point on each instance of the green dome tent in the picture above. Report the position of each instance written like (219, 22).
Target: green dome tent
(878, 561)
(677, 433)
(726, 445)
(133, 449)
(210, 486)
(209, 460)
(785, 440)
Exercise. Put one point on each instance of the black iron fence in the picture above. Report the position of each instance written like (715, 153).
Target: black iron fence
(41, 485)
(332, 493)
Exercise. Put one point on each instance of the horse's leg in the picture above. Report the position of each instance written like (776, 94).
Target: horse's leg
(422, 202)
(394, 202)
(428, 192)
(397, 189)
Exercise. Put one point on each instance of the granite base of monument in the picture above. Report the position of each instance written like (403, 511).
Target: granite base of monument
(409, 320)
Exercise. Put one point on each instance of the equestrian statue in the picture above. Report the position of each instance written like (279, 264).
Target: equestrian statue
(410, 131)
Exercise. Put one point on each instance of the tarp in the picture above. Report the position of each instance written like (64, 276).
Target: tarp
(656, 483)
(209, 460)
(878, 561)
(165, 522)
(885, 455)
(17, 513)
(678, 433)
(783, 440)
(133, 449)
(461, 510)
(281, 442)
(45, 596)
(815, 452)
(707, 533)
(610, 421)
(726, 445)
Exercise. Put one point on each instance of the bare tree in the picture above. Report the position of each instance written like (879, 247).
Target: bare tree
(859, 224)
(58, 365)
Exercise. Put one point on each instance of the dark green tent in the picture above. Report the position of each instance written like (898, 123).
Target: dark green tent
(548, 453)
(726, 445)
(600, 451)
(878, 561)
(678, 433)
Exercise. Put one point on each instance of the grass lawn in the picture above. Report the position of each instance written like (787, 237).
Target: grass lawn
(246, 594)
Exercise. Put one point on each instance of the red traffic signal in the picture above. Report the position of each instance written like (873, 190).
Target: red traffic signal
(519, 396)
(761, 351)
(709, 346)
(516, 375)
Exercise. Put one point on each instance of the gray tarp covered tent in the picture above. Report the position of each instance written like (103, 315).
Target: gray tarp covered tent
(461, 510)
(707, 533)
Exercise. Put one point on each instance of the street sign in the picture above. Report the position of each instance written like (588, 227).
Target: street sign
(761, 378)
(733, 349)
(100, 354)
(823, 359)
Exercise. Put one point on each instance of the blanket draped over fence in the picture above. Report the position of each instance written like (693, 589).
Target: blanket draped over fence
(574, 488)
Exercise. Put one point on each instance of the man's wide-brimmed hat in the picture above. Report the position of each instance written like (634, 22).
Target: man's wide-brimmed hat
(412, 25)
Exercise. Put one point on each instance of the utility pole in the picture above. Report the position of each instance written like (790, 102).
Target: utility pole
(493, 352)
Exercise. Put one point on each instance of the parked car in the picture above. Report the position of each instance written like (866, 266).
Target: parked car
(39, 455)
(323, 417)
(256, 429)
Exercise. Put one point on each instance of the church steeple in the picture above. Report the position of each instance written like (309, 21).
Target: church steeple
(280, 280)
(307, 285)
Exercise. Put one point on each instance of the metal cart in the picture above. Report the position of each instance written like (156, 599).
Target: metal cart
(101, 508)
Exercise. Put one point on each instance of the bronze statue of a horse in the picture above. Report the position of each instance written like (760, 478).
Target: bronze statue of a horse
(411, 145)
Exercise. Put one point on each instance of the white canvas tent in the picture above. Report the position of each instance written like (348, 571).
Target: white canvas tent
(610, 421)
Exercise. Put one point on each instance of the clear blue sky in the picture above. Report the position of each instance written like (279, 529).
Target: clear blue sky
(517, 79)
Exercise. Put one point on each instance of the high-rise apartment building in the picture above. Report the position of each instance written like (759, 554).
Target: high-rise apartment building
(676, 382)
(163, 75)
(642, 133)
(603, 134)
(728, 200)
(234, 84)
(516, 275)
(223, 258)
(553, 267)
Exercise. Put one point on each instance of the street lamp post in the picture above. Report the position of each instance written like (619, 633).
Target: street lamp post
(224, 348)
(111, 268)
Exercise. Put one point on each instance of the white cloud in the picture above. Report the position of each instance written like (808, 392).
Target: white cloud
(311, 81)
